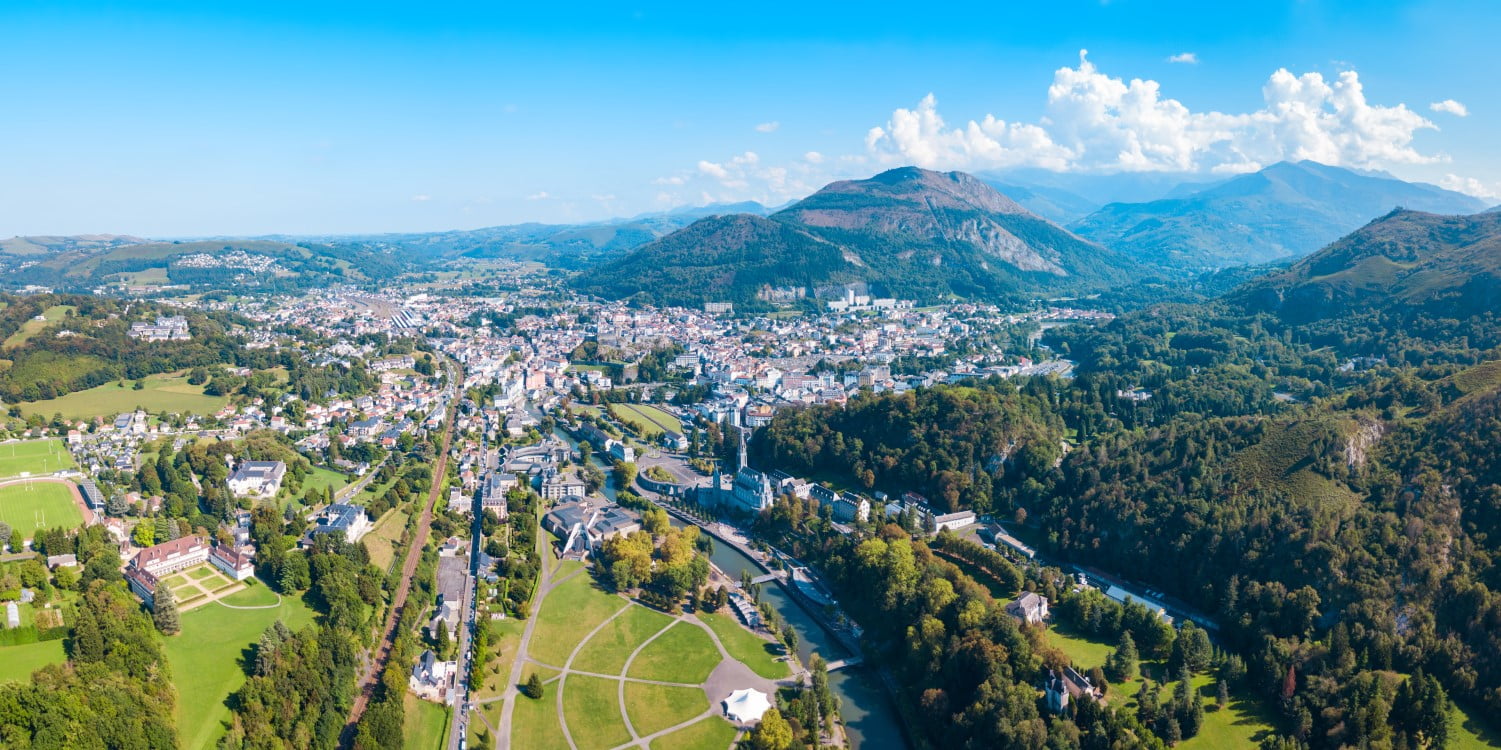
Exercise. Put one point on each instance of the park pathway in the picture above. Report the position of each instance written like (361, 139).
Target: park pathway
(508, 694)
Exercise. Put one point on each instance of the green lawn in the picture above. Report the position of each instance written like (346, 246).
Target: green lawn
(653, 708)
(592, 708)
(1465, 731)
(201, 573)
(162, 393)
(535, 726)
(648, 421)
(712, 733)
(18, 662)
(324, 479)
(33, 327)
(205, 659)
(607, 651)
(1081, 651)
(748, 648)
(1242, 723)
(34, 456)
(33, 506)
(684, 653)
(568, 613)
(426, 725)
(506, 637)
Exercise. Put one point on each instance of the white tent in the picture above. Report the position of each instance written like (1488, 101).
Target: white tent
(746, 705)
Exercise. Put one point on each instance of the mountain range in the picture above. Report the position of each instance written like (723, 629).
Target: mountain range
(1286, 210)
(907, 232)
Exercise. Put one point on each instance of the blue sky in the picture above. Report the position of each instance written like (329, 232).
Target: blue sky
(202, 118)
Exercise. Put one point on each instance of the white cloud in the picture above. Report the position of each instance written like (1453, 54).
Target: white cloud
(1471, 186)
(813, 157)
(1095, 122)
(768, 127)
(1451, 107)
(419, 198)
(541, 195)
(1186, 58)
(743, 177)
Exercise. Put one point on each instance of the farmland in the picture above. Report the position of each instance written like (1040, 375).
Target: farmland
(167, 393)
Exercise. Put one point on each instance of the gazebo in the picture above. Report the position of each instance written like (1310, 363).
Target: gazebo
(746, 706)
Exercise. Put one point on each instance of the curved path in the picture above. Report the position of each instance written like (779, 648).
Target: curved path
(246, 606)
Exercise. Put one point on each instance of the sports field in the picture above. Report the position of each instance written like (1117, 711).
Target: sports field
(161, 393)
(34, 457)
(30, 506)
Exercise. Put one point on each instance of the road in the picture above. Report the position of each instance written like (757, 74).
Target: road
(460, 720)
(365, 687)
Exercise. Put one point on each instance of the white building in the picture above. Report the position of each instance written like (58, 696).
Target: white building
(257, 478)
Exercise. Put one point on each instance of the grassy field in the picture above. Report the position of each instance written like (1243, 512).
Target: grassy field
(33, 327)
(1081, 651)
(426, 725)
(1467, 733)
(38, 505)
(322, 480)
(568, 613)
(607, 651)
(755, 652)
(1243, 722)
(161, 393)
(506, 635)
(381, 541)
(712, 733)
(648, 421)
(592, 708)
(34, 456)
(18, 662)
(535, 725)
(653, 708)
(205, 658)
(682, 654)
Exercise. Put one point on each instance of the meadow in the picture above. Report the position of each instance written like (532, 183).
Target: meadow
(33, 327)
(169, 393)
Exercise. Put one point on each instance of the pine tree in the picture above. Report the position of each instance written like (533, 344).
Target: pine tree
(534, 687)
(1123, 663)
(440, 638)
(164, 610)
(1223, 690)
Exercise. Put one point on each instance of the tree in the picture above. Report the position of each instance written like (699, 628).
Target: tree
(1122, 663)
(5, 532)
(164, 610)
(440, 638)
(144, 534)
(773, 733)
(534, 687)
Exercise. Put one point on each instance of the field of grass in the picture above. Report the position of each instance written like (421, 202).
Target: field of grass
(1083, 652)
(682, 654)
(33, 327)
(568, 613)
(592, 708)
(648, 421)
(535, 725)
(381, 541)
(426, 725)
(18, 662)
(748, 648)
(1243, 722)
(653, 708)
(323, 480)
(161, 393)
(712, 733)
(1467, 733)
(205, 659)
(29, 507)
(34, 456)
(607, 651)
(506, 635)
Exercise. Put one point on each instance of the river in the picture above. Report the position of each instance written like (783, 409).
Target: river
(869, 717)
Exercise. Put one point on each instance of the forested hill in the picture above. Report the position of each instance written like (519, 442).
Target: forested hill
(1325, 485)
(906, 232)
(1447, 265)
